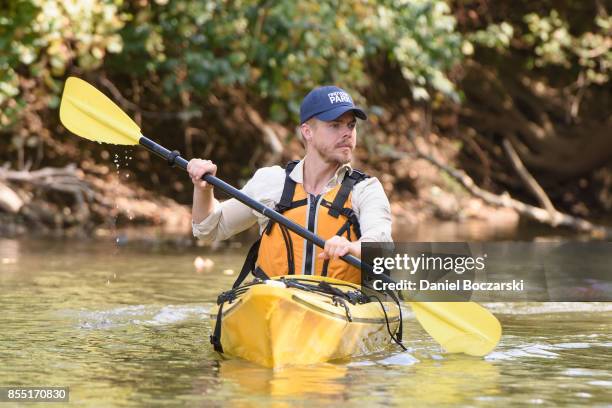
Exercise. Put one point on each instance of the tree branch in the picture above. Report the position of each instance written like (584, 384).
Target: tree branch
(126, 104)
(504, 200)
(528, 179)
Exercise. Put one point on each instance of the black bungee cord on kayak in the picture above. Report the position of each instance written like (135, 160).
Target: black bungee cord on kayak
(228, 296)
(397, 339)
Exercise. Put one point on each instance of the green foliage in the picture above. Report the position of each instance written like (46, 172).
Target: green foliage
(421, 37)
(549, 36)
(277, 50)
(495, 36)
(41, 39)
(550, 42)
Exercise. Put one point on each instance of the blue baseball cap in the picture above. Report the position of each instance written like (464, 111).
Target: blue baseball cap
(328, 103)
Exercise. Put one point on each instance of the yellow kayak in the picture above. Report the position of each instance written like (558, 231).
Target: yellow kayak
(296, 320)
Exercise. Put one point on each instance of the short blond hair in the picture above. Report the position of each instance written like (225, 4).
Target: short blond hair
(313, 123)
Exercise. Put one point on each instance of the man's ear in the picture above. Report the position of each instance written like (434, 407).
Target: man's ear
(306, 132)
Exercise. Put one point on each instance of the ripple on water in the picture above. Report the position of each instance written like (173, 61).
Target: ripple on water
(174, 314)
(538, 350)
(526, 350)
(586, 372)
(401, 359)
(526, 308)
(572, 345)
(601, 383)
(137, 315)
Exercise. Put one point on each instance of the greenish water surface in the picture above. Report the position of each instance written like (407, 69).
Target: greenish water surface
(129, 327)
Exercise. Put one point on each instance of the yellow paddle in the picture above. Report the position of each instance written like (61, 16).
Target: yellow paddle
(460, 327)
(89, 113)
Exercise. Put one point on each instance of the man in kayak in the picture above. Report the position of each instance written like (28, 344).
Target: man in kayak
(321, 192)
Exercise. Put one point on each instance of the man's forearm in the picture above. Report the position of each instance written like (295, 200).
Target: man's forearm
(203, 204)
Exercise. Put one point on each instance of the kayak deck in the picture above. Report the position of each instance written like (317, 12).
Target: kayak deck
(274, 326)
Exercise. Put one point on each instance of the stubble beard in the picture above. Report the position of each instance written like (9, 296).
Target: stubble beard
(346, 160)
(336, 159)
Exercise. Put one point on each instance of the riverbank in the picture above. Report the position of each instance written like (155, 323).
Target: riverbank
(96, 205)
(96, 198)
(109, 206)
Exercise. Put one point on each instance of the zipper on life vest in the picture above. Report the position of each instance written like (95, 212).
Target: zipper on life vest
(309, 262)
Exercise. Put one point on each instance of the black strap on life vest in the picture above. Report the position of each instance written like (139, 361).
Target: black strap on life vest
(348, 183)
(249, 264)
(283, 205)
(288, 189)
(289, 247)
(286, 201)
(337, 208)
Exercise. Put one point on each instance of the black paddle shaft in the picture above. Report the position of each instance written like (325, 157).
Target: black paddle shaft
(174, 159)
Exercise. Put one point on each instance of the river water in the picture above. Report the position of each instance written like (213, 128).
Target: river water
(127, 326)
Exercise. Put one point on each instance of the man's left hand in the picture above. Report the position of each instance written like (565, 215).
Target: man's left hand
(337, 246)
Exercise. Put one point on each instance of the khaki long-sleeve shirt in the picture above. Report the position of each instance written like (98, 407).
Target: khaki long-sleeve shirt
(230, 217)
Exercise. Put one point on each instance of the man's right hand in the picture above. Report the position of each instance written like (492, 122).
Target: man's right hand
(197, 168)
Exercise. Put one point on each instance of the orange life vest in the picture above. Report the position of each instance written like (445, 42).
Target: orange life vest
(282, 252)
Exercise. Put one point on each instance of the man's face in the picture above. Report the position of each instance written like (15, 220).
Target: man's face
(335, 140)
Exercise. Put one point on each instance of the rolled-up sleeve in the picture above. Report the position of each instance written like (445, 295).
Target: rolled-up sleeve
(231, 216)
(227, 218)
(373, 210)
(206, 229)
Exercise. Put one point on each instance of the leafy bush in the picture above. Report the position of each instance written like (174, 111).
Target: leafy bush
(42, 39)
(277, 50)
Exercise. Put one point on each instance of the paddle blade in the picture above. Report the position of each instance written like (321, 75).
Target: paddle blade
(459, 327)
(89, 113)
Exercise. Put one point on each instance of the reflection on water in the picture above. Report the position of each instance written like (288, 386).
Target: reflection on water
(321, 381)
(381, 379)
(128, 328)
